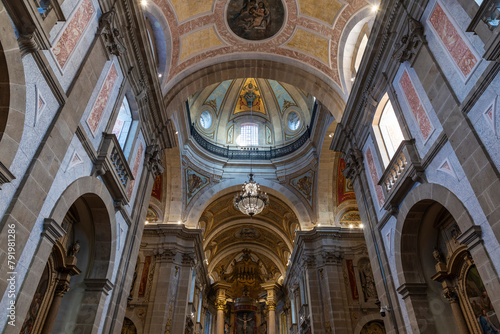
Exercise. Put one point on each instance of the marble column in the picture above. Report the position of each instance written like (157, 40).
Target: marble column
(61, 289)
(452, 297)
(220, 304)
(271, 307)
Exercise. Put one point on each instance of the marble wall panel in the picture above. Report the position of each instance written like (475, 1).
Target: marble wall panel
(102, 100)
(73, 32)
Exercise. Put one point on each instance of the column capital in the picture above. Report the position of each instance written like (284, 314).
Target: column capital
(220, 304)
(271, 305)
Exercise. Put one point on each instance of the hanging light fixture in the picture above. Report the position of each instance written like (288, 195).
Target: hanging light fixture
(251, 200)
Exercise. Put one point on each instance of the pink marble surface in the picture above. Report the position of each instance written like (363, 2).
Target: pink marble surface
(453, 41)
(102, 99)
(374, 176)
(416, 106)
(274, 45)
(135, 169)
(73, 32)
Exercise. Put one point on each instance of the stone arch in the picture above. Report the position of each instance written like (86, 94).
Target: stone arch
(238, 248)
(281, 69)
(365, 320)
(12, 85)
(413, 281)
(209, 194)
(94, 191)
(135, 320)
(416, 202)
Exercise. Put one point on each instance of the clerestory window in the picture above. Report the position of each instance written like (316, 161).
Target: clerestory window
(249, 134)
(387, 130)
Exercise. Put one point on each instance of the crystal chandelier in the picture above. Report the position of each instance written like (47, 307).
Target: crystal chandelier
(251, 200)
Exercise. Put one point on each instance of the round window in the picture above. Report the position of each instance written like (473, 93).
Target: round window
(293, 120)
(206, 119)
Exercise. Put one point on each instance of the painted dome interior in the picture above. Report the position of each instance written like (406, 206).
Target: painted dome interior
(251, 112)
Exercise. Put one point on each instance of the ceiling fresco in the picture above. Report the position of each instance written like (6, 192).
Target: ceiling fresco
(269, 235)
(255, 20)
(282, 110)
(302, 30)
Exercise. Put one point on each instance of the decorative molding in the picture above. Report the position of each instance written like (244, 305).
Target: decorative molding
(27, 43)
(5, 175)
(110, 34)
(154, 156)
(472, 237)
(411, 289)
(52, 230)
(446, 167)
(410, 43)
(98, 284)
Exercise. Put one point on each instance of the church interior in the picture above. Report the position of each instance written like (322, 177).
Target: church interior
(249, 166)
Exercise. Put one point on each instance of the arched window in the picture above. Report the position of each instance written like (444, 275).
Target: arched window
(249, 134)
(125, 127)
(387, 130)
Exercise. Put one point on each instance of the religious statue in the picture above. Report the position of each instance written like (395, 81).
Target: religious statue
(245, 321)
(367, 281)
(74, 249)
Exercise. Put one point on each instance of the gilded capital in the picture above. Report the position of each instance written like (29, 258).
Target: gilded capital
(220, 304)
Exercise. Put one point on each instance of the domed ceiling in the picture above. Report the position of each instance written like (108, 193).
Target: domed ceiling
(251, 112)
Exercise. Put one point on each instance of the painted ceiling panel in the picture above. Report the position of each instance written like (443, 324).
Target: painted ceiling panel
(185, 9)
(310, 43)
(199, 41)
(323, 10)
(216, 98)
(282, 96)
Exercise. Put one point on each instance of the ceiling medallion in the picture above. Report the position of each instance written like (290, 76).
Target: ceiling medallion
(255, 20)
(251, 200)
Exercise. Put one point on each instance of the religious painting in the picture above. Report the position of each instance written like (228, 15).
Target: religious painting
(144, 276)
(156, 192)
(352, 279)
(151, 216)
(480, 302)
(245, 323)
(350, 219)
(345, 191)
(250, 99)
(304, 184)
(36, 303)
(194, 183)
(367, 280)
(373, 327)
(255, 20)
(247, 233)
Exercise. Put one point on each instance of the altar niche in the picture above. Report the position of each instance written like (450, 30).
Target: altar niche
(245, 322)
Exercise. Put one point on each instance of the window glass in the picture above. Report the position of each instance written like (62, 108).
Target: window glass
(43, 7)
(361, 51)
(249, 135)
(390, 130)
(123, 122)
(206, 119)
(293, 121)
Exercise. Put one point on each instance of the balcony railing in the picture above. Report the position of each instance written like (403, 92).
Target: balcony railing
(403, 171)
(254, 153)
(113, 167)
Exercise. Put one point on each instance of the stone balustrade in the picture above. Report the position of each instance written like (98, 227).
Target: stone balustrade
(113, 167)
